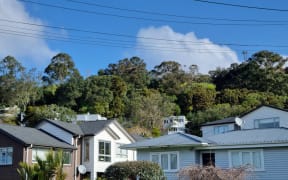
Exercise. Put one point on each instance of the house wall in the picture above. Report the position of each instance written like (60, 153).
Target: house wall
(208, 131)
(187, 157)
(94, 165)
(8, 172)
(275, 163)
(264, 112)
(89, 164)
(56, 132)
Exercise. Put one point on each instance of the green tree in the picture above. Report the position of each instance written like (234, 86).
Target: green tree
(264, 72)
(197, 96)
(104, 95)
(67, 94)
(17, 86)
(60, 69)
(132, 71)
(150, 109)
(36, 113)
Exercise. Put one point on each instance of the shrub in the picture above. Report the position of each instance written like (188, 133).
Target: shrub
(212, 173)
(146, 170)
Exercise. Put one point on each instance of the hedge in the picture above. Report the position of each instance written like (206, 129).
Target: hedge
(145, 170)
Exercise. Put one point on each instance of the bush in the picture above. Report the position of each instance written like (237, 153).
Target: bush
(146, 170)
(213, 173)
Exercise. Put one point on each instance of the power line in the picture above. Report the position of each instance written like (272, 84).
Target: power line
(152, 19)
(243, 6)
(105, 43)
(171, 15)
(140, 37)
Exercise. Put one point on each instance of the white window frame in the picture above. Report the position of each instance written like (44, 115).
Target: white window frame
(6, 152)
(105, 153)
(216, 128)
(169, 160)
(121, 153)
(250, 151)
(69, 153)
(36, 150)
(257, 122)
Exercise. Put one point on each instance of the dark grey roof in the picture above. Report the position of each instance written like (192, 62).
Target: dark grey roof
(222, 121)
(93, 127)
(252, 136)
(32, 136)
(176, 139)
(68, 126)
(137, 137)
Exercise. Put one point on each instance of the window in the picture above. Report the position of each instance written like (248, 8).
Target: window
(41, 153)
(267, 123)
(67, 157)
(104, 151)
(167, 160)
(121, 153)
(253, 158)
(220, 129)
(86, 149)
(6, 155)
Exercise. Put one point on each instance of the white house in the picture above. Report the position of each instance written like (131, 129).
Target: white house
(97, 142)
(101, 146)
(175, 124)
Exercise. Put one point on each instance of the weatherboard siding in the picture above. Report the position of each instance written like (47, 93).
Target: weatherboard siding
(187, 157)
(275, 163)
(265, 112)
(222, 159)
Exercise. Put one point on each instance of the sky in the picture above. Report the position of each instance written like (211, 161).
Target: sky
(96, 33)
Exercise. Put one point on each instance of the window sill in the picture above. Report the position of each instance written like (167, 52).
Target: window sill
(6, 164)
(171, 171)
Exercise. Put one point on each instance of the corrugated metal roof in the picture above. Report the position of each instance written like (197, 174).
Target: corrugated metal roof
(32, 136)
(176, 139)
(252, 136)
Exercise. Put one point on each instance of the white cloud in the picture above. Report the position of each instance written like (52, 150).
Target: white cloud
(186, 50)
(27, 50)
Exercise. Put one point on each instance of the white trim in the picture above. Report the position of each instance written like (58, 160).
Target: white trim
(250, 151)
(237, 146)
(169, 161)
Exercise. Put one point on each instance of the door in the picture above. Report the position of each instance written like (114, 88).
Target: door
(208, 159)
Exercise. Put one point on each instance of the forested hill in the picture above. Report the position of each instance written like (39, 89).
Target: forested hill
(140, 98)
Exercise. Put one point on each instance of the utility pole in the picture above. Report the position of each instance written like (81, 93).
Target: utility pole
(245, 53)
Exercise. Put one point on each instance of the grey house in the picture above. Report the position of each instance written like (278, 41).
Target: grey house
(258, 138)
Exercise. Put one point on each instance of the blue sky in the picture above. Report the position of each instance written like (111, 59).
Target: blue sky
(97, 33)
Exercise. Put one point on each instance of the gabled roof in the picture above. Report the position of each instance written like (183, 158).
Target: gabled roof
(67, 126)
(32, 136)
(93, 127)
(228, 120)
(232, 119)
(171, 140)
(251, 136)
(89, 127)
(258, 107)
